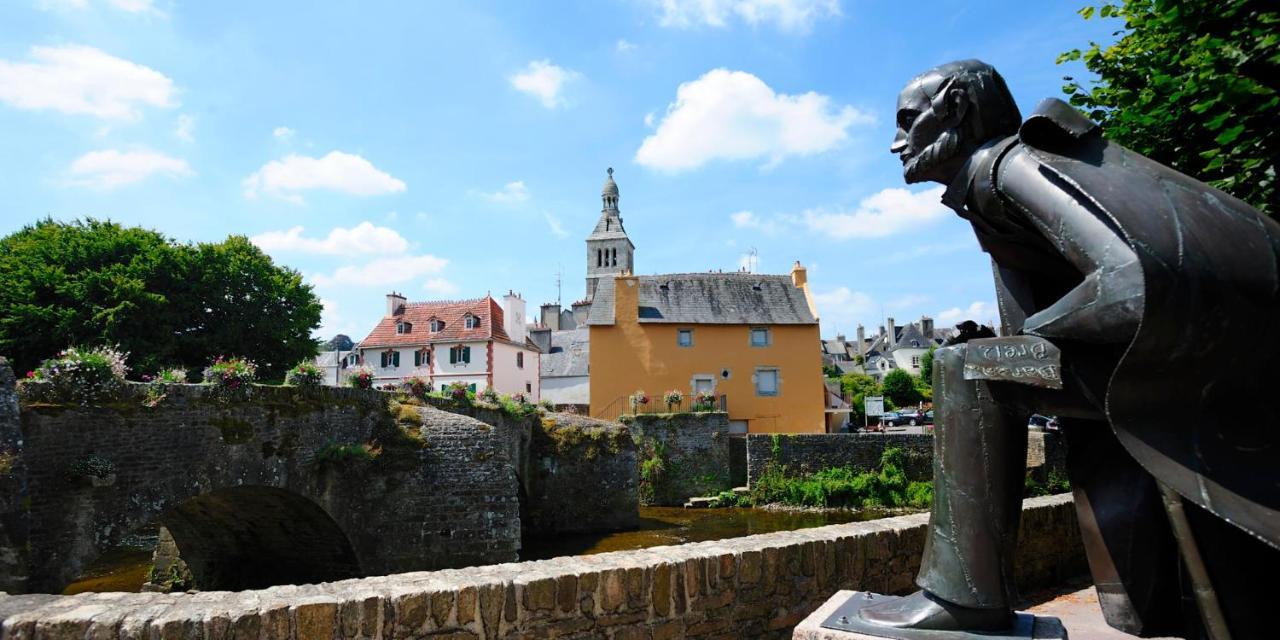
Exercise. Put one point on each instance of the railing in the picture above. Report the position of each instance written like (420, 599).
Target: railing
(622, 406)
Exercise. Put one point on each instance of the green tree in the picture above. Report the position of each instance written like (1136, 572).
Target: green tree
(856, 387)
(93, 283)
(926, 365)
(830, 371)
(1194, 84)
(900, 387)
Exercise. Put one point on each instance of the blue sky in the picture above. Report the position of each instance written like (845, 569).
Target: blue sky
(447, 150)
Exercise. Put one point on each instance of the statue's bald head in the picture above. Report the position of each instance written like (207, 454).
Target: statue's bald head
(947, 112)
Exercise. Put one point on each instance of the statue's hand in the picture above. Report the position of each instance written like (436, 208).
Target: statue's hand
(1105, 308)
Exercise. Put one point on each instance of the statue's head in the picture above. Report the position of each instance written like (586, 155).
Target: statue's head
(947, 112)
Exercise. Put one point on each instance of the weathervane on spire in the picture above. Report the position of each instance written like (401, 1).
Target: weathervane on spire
(610, 172)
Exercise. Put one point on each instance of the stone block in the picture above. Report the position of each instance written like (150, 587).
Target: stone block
(811, 627)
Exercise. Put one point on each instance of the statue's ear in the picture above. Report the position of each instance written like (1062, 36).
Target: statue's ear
(950, 104)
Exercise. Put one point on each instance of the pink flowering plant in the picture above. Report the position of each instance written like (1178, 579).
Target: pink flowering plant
(304, 374)
(416, 386)
(360, 377)
(672, 398)
(488, 395)
(704, 401)
(84, 375)
(231, 377)
(639, 399)
(459, 393)
(168, 375)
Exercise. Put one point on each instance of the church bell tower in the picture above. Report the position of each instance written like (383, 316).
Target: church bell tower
(609, 250)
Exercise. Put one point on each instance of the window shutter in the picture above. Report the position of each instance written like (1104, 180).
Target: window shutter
(417, 358)
(384, 359)
(395, 359)
(453, 355)
(466, 354)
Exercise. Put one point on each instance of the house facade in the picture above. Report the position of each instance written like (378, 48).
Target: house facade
(749, 339)
(481, 343)
(895, 347)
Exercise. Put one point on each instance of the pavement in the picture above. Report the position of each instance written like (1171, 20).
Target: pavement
(1077, 607)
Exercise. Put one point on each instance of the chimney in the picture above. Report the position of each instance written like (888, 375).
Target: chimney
(893, 333)
(395, 304)
(862, 342)
(551, 316)
(839, 337)
(513, 319)
(799, 275)
(541, 336)
(626, 299)
(926, 326)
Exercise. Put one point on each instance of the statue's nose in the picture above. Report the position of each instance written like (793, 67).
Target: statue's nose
(899, 142)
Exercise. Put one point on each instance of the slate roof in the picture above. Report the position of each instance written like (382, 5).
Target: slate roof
(569, 354)
(910, 337)
(419, 314)
(609, 226)
(710, 298)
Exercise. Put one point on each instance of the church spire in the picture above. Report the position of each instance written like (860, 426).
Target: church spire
(609, 194)
(609, 250)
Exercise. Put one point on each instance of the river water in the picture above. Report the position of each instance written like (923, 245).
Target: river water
(125, 569)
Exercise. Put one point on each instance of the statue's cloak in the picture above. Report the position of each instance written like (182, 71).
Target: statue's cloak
(1195, 397)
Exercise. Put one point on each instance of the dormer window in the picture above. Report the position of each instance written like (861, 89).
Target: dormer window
(404, 327)
(437, 325)
(471, 322)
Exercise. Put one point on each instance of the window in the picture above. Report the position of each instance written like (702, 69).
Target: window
(766, 382)
(519, 359)
(459, 354)
(528, 387)
(437, 325)
(599, 258)
(471, 321)
(404, 327)
(760, 336)
(915, 361)
(684, 337)
(390, 359)
(704, 384)
(422, 358)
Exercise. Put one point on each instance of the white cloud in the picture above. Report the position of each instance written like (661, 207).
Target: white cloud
(185, 128)
(842, 306)
(110, 168)
(384, 271)
(623, 46)
(77, 79)
(556, 226)
(733, 115)
(794, 16)
(130, 6)
(544, 81)
(749, 220)
(510, 193)
(980, 312)
(337, 171)
(362, 239)
(649, 119)
(882, 214)
(283, 133)
(907, 301)
(440, 286)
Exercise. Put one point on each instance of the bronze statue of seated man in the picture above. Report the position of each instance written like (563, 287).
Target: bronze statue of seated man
(1157, 301)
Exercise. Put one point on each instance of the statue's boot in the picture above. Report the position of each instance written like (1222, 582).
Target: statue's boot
(922, 610)
(979, 462)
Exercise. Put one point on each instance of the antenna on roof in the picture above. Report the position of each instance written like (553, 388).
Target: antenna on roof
(753, 256)
(559, 268)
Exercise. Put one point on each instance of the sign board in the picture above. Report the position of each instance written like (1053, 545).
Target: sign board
(1023, 359)
(874, 405)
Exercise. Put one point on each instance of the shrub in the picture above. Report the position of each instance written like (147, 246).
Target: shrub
(168, 375)
(84, 375)
(340, 453)
(844, 486)
(416, 386)
(458, 392)
(547, 404)
(517, 405)
(488, 395)
(231, 377)
(304, 374)
(672, 398)
(360, 377)
(704, 401)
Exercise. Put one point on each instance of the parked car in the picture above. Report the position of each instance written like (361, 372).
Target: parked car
(911, 417)
(890, 419)
(1047, 423)
(928, 417)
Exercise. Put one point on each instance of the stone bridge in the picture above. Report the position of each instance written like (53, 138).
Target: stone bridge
(288, 486)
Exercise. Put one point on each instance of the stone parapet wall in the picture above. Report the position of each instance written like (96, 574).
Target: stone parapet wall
(808, 453)
(682, 455)
(753, 587)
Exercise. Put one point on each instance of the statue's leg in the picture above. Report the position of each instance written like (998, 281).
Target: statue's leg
(979, 464)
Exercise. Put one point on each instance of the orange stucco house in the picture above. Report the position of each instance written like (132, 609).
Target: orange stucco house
(750, 339)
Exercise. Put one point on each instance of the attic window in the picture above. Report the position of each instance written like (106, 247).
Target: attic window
(437, 326)
(471, 321)
(404, 327)
(756, 287)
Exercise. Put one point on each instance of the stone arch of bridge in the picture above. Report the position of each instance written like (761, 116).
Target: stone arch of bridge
(253, 537)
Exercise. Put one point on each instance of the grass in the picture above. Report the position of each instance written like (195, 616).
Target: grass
(839, 487)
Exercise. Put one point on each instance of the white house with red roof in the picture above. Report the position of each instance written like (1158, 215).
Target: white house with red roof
(479, 343)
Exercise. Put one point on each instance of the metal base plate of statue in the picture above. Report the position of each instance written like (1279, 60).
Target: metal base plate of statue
(838, 619)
